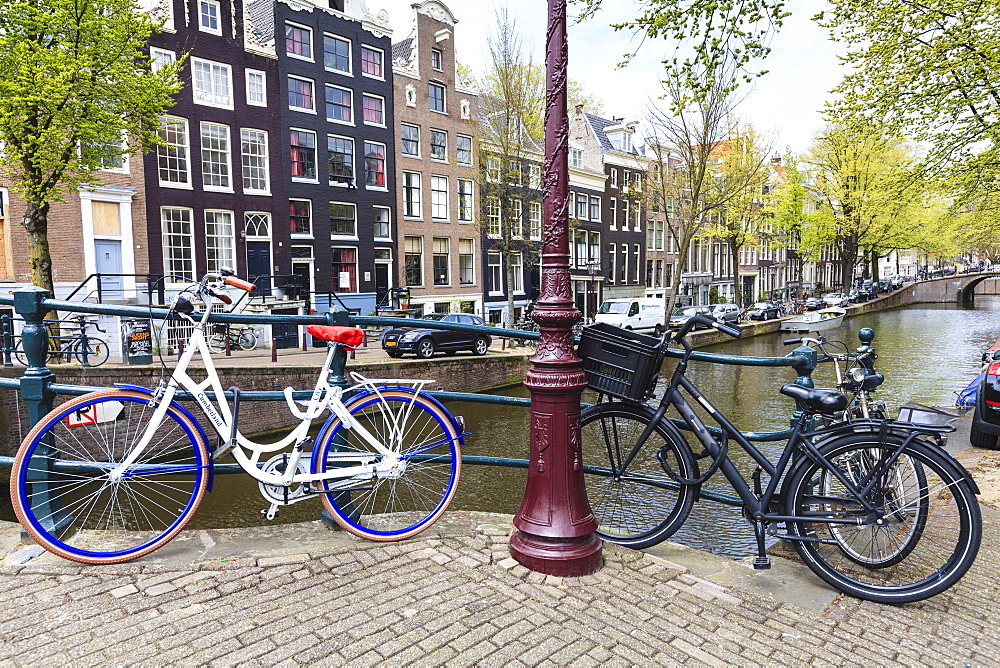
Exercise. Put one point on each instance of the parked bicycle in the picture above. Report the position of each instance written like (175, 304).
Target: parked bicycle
(526, 325)
(113, 475)
(856, 381)
(876, 508)
(80, 347)
(243, 338)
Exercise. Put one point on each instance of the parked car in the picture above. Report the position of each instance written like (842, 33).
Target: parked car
(682, 315)
(986, 416)
(813, 303)
(425, 341)
(726, 313)
(762, 311)
(857, 296)
(836, 299)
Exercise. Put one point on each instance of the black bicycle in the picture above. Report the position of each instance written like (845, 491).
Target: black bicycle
(80, 347)
(876, 508)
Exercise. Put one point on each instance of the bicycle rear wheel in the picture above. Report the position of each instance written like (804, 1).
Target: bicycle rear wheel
(414, 492)
(247, 340)
(641, 506)
(65, 494)
(921, 539)
(217, 343)
(97, 351)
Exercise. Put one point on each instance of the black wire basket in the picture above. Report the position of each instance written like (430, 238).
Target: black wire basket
(619, 362)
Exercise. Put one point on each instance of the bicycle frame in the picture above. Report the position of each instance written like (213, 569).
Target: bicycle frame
(221, 417)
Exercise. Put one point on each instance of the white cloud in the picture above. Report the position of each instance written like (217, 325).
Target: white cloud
(787, 102)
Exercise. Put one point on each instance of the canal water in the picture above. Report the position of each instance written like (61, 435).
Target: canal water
(927, 353)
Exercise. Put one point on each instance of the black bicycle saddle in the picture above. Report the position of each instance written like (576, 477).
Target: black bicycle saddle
(818, 401)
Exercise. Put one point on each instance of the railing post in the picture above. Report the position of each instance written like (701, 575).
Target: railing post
(804, 369)
(867, 335)
(38, 398)
(8, 338)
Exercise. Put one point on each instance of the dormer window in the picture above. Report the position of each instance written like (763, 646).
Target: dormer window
(575, 157)
(627, 142)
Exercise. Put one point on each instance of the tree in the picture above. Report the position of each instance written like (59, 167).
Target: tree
(928, 70)
(76, 91)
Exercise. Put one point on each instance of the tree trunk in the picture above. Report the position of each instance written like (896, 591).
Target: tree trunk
(509, 311)
(734, 252)
(36, 223)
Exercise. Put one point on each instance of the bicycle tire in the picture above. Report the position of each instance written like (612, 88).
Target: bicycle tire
(217, 343)
(247, 340)
(644, 506)
(930, 560)
(97, 351)
(20, 356)
(63, 495)
(413, 496)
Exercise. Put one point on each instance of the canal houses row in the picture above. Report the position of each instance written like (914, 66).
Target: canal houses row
(307, 149)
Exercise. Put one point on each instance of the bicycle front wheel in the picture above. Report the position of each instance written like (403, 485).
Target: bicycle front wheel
(69, 497)
(641, 505)
(97, 351)
(247, 340)
(400, 494)
(217, 343)
(922, 536)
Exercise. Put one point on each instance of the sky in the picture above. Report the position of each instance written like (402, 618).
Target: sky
(785, 104)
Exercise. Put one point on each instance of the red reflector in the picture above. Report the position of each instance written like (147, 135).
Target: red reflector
(994, 369)
(992, 403)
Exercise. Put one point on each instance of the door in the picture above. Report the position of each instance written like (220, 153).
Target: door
(303, 271)
(259, 265)
(382, 284)
(285, 335)
(108, 256)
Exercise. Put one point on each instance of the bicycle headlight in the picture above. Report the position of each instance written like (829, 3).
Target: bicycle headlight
(858, 374)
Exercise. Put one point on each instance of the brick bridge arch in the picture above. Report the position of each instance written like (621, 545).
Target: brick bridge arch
(949, 289)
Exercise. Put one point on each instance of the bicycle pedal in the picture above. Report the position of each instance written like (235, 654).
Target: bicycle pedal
(761, 563)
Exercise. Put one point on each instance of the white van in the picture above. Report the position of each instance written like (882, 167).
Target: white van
(637, 314)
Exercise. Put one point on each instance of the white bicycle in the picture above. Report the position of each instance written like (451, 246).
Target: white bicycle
(112, 475)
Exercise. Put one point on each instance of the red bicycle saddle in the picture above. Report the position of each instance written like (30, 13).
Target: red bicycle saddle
(349, 336)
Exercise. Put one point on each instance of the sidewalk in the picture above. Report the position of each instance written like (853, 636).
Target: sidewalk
(295, 594)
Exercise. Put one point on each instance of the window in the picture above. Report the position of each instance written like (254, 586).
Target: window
(339, 102)
(298, 41)
(636, 220)
(578, 249)
(160, 58)
(496, 278)
(517, 219)
(612, 260)
(373, 109)
(411, 140)
(219, 240)
(614, 177)
(635, 262)
(254, 151)
(257, 225)
(436, 60)
(371, 62)
(439, 145)
(613, 212)
(467, 261)
(581, 206)
(300, 216)
(256, 88)
(624, 215)
(594, 255)
(300, 94)
(575, 157)
(637, 184)
(492, 170)
(442, 261)
(172, 154)
(211, 83)
(463, 149)
(623, 268)
(517, 269)
(208, 17)
(465, 200)
(374, 164)
(178, 258)
(343, 221)
(535, 220)
(439, 197)
(625, 179)
(345, 269)
(493, 217)
(336, 54)
(380, 221)
(535, 176)
(111, 155)
(215, 156)
(303, 154)
(413, 252)
(595, 208)
(436, 97)
(341, 160)
(411, 194)
(514, 173)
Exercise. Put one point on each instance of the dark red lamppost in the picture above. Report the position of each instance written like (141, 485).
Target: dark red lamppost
(555, 525)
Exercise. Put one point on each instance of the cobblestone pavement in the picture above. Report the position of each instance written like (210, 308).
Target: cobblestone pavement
(457, 597)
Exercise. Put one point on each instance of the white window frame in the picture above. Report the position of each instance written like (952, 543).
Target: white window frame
(339, 235)
(471, 160)
(385, 164)
(262, 102)
(201, 96)
(160, 57)
(495, 269)
(350, 54)
(354, 163)
(228, 157)
(535, 176)
(401, 144)
(535, 220)
(614, 177)
(576, 158)
(468, 209)
(225, 242)
(388, 222)
(419, 252)
(436, 244)
(613, 210)
(412, 207)
(169, 267)
(430, 145)
(439, 59)
(312, 86)
(264, 157)
(202, 4)
(303, 235)
(337, 120)
(312, 42)
(385, 111)
(306, 179)
(636, 260)
(444, 98)
(186, 184)
(439, 198)
(517, 270)
(471, 255)
(494, 218)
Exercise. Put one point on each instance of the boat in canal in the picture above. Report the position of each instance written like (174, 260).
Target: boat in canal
(815, 321)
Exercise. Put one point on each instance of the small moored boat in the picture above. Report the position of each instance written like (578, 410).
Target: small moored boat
(815, 321)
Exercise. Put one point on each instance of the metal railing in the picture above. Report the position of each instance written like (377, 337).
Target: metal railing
(38, 387)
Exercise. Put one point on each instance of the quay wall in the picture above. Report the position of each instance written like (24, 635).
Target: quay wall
(461, 374)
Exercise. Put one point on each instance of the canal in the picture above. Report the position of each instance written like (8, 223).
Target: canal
(927, 353)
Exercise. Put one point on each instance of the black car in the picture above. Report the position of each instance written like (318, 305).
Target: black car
(762, 311)
(425, 341)
(986, 417)
(813, 303)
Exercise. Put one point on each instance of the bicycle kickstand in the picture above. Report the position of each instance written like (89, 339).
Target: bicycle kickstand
(761, 562)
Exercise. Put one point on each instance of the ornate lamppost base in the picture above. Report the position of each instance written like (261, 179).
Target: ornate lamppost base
(568, 558)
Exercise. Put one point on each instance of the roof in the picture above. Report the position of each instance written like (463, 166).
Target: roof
(260, 13)
(599, 124)
(403, 49)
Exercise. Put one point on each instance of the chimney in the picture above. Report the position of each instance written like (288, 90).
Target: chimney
(579, 109)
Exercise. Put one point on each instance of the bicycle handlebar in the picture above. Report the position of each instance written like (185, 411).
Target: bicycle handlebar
(241, 284)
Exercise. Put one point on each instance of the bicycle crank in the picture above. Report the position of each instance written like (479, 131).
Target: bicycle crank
(281, 495)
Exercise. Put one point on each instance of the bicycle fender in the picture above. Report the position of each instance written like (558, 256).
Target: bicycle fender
(187, 414)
